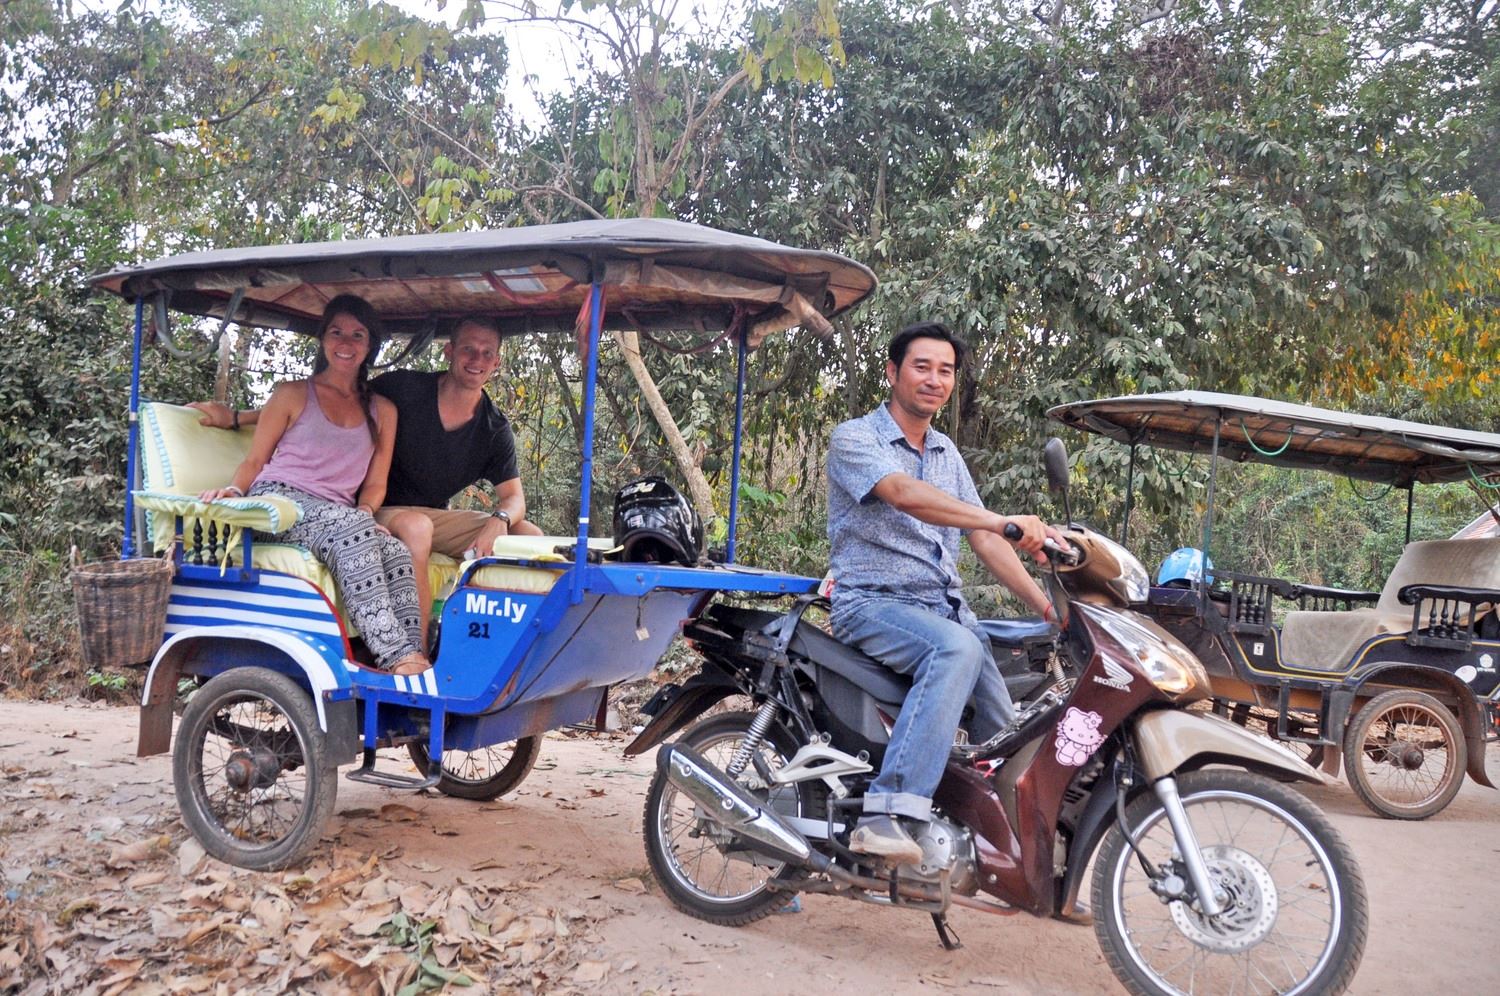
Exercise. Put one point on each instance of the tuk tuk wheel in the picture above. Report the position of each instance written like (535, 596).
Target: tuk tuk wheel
(483, 774)
(252, 771)
(1405, 755)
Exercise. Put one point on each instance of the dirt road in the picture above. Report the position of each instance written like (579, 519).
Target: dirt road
(548, 891)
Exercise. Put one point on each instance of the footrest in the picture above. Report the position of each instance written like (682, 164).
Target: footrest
(366, 773)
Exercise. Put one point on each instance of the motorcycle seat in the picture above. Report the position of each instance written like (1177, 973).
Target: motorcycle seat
(869, 674)
(1018, 632)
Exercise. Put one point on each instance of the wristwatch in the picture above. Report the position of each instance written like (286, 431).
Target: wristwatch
(502, 515)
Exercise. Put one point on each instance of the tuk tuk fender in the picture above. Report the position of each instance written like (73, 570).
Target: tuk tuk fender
(1172, 740)
(214, 649)
(1431, 679)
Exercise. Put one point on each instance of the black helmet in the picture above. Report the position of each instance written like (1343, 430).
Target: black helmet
(655, 524)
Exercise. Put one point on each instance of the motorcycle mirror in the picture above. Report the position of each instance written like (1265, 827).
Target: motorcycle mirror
(1055, 457)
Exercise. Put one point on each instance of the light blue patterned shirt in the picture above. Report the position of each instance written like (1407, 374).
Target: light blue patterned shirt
(876, 550)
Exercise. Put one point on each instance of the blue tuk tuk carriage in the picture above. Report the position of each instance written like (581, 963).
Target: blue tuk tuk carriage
(533, 636)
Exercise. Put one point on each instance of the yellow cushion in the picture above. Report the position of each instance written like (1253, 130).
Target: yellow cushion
(181, 457)
(530, 579)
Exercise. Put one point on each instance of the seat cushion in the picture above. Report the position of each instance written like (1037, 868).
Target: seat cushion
(1328, 641)
(178, 456)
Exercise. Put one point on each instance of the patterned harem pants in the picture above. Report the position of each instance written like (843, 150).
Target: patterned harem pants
(373, 570)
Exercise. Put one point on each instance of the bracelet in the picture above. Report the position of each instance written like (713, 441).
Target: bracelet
(234, 422)
(237, 492)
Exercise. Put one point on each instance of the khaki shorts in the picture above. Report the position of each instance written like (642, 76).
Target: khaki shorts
(454, 530)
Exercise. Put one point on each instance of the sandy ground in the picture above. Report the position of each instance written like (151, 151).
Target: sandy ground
(568, 846)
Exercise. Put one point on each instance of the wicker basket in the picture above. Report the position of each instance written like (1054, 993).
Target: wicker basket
(122, 609)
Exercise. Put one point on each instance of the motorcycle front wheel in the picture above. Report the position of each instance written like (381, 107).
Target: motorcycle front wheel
(1295, 918)
(702, 869)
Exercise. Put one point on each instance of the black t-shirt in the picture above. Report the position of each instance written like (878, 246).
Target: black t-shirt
(431, 465)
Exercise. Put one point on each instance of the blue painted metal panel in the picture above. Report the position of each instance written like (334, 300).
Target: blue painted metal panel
(526, 719)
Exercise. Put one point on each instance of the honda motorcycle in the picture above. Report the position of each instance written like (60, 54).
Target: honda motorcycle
(1210, 875)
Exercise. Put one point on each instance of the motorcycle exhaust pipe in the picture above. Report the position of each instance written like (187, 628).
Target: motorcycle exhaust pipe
(730, 806)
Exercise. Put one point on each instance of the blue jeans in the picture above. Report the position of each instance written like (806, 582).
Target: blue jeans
(948, 663)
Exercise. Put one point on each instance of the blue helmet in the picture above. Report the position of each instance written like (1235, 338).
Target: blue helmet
(1184, 567)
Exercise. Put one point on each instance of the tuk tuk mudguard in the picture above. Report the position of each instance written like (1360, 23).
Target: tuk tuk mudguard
(1466, 706)
(212, 650)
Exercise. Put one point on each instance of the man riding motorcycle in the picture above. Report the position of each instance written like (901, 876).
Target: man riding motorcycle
(899, 498)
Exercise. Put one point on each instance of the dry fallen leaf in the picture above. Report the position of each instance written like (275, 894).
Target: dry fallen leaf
(146, 879)
(632, 885)
(141, 850)
(189, 856)
(399, 813)
(590, 971)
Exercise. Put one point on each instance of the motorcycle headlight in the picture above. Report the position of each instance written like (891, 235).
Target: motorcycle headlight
(1133, 582)
(1165, 660)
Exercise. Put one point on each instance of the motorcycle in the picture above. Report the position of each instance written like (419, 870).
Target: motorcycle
(1209, 874)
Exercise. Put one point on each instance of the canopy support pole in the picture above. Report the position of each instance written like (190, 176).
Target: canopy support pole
(742, 348)
(1208, 515)
(1411, 490)
(132, 452)
(1129, 499)
(586, 469)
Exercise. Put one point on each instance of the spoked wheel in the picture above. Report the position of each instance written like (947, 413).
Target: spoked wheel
(483, 774)
(1294, 917)
(252, 772)
(1405, 754)
(702, 870)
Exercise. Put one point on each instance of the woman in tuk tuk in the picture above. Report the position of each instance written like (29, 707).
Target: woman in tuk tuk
(325, 443)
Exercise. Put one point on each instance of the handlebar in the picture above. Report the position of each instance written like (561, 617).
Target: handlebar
(1064, 554)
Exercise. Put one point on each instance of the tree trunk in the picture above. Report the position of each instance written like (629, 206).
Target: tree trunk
(698, 489)
(225, 366)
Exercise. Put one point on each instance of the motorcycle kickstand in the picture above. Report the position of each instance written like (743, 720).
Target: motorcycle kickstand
(946, 933)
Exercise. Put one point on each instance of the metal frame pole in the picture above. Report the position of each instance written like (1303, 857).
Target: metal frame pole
(127, 546)
(1208, 515)
(1129, 500)
(1411, 490)
(586, 469)
(743, 349)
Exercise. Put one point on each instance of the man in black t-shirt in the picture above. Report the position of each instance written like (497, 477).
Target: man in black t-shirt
(449, 435)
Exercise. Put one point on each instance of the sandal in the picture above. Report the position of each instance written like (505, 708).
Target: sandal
(413, 663)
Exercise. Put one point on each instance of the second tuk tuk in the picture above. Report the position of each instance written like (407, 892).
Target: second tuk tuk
(1400, 685)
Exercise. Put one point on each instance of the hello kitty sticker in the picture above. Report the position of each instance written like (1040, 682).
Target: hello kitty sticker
(1078, 736)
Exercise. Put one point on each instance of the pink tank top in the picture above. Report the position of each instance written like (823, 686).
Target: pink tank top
(327, 461)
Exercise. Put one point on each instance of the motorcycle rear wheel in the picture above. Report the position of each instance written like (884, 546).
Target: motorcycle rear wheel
(690, 859)
(1297, 917)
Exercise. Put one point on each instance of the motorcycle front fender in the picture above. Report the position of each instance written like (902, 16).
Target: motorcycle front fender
(1169, 741)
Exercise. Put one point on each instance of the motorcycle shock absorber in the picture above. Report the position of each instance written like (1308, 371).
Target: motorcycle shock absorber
(1054, 666)
(757, 733)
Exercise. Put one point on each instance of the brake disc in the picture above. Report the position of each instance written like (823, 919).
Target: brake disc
(1249, 911)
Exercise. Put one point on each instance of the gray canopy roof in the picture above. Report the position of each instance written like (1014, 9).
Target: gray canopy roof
(656, 274)
(1367, 447)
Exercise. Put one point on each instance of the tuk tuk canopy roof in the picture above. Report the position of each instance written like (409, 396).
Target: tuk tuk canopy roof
(657, 274)
(1368, 447)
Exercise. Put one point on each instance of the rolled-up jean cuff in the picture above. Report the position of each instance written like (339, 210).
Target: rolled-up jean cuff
(913, 807)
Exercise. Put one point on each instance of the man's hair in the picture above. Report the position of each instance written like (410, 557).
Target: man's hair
(927, 330)
(483, 321)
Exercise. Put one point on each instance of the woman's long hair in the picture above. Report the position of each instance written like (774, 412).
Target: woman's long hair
(359, 309)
